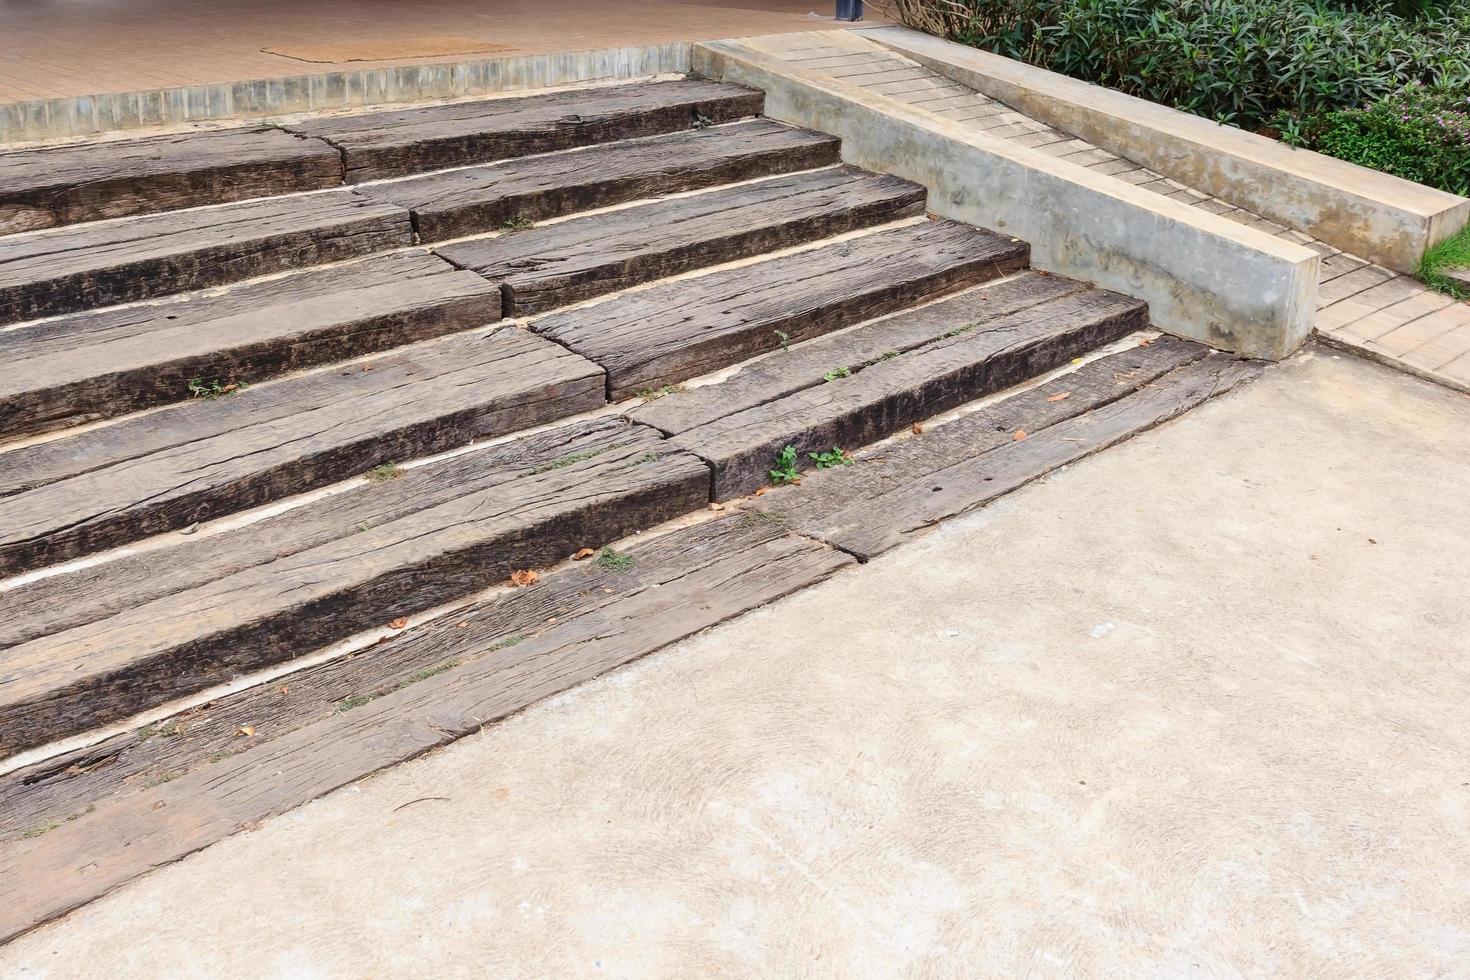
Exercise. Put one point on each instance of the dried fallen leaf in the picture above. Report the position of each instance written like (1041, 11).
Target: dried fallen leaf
(717, 506)
(463, 624)
(397, 624)
(918, 428)
(583, 553)
(246, 730)
(1060, 396)
(523, 576)
(1018, 435)
(285, 689)
(1145, 342)
(762, 491)
(190, 529)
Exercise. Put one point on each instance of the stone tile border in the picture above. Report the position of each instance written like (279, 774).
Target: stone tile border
(59, 119)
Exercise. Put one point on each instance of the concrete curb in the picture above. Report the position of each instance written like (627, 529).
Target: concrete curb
(59, 119)
(1386, 219)
(1204, 277)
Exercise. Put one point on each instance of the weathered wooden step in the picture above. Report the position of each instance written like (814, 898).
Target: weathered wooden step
(404, 141)
(105, 363)
(63, 270)
(111, 179)
(816, 361)
(481, 199)
(191, 462)
(613, 478)
(679, 330)
(892, 491)
(896, 390)
(679, 584)
(574, 260)
(695, 575)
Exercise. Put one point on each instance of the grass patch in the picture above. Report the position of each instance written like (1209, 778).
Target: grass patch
(354, 701)
(519, 223)
(45, 828)
(384, 472)
(614, 561)
(653, 394)
(1452, 253)
(569, 460)
(837, 372)
(212, 388)
(826, 461)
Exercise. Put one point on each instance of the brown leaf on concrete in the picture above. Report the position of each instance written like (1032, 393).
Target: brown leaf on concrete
(523, 576)
(1018, 435)
(918, 428)
(246, 730)
(583, 553)
(1060, 396)
(397, 624)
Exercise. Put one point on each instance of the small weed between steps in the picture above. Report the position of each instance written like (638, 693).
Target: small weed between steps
(653, 394)
(785, 468)
(887, 355)
(354, 701)
(837, 372)
(382, 473)
(783, 339)
(826, 461)
(962, 330)
(614, 561)
(568, 460)
(212, 388)
(45, 828)
(701, 121)
(519, 223)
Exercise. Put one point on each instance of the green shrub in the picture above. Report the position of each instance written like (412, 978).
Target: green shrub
(1420, 134)
(1243, 62)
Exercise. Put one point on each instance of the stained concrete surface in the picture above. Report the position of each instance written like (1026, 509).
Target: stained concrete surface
(1194, 707)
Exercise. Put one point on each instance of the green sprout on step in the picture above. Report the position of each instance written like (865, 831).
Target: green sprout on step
(783, 338)
(614, 561)
(837, 372)
(785, 469)
(384, 472)
(211, 388)
(826, 461)
(519, 223)
(701, 121)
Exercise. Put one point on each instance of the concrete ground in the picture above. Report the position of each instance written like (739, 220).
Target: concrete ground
(1198, 706)
(62, 48)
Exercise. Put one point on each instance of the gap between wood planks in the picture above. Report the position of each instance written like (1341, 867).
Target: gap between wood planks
(368, 638)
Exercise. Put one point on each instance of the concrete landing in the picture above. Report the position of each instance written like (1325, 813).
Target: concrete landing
(1195, 706)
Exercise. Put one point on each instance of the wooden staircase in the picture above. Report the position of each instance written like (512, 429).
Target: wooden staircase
(253, 411)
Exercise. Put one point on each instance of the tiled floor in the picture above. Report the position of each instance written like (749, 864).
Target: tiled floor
(1392, 317)
(56, 48)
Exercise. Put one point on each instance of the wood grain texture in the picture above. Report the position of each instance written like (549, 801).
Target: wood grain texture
(896, 391)
(145, 655)
(62, 185)
(64, 786)
(404, 141)
(877, 523)
(683, 329)
(807, 365)
(194, 461)
(481, 199)
(85, 266)
(106, 363)
(82, 859)
(575, 260)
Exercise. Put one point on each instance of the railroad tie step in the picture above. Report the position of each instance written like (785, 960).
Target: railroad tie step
(388, 548)
(476, 200)
(581, 258)
(80, 267)
(656, 337)
(165, 470)
(404, 141)
(106, 363)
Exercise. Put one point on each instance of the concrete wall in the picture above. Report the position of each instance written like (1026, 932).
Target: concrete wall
(1370, 214)
(54, 119)
(1203, 276)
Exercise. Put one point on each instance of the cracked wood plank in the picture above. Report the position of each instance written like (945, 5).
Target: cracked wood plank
(575, 260)
(403, 141)
(882, 397)
(63, 185)
(680, 330)
(482, 199)
(146, 654)
(84, 266)
(199, 460)
(101, 364)
(715, 573)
